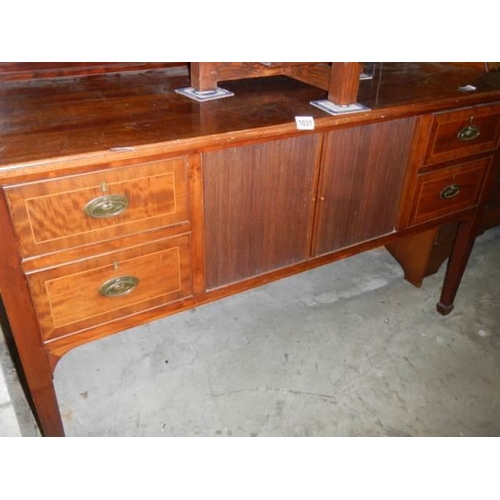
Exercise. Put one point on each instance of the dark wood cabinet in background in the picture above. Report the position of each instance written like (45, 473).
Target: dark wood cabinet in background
(491, 215)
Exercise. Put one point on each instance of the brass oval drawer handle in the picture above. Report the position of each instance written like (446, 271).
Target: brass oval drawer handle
(468, 133)
(450, 192)
(109, 205)
(118, 287)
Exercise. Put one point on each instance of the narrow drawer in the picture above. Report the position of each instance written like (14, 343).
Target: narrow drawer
(67, 212)
(81, 295)
(448, 190)
(464, 132)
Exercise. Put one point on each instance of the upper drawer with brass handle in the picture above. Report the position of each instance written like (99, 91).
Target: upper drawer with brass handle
(109, 205)
(469, 133)
(83, 294)
(464, 132)
(71, 211)
(448, 190)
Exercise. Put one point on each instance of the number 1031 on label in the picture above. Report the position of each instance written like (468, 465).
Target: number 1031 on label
(304, 122)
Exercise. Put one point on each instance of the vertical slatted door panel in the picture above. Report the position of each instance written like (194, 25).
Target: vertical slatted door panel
(361, 183)
(258, 207)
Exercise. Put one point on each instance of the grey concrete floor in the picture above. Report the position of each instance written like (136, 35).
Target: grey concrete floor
(349, 349)
(16, 419)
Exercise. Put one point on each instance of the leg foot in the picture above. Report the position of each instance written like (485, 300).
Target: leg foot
(444, 310)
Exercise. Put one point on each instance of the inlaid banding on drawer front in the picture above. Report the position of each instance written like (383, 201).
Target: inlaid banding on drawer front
(54, 214)
(448, 190)
(464, 132)
(70, 297)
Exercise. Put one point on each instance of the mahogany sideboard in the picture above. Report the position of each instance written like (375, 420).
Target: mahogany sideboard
(123, 202)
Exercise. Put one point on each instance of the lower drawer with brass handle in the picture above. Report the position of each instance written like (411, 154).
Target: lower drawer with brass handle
(79, 295)
(469, 133)
(448, 190)
(119, 286)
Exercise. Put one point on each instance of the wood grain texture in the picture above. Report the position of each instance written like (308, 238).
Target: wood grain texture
(206, 75)
(468, 177)
(314, 74)
(49, 215)
(361, 183)
(413, 254)
(422, 254)
(58, 347)
(467, 231)
(344, 82)
(44, 121)
(37, 70)
(67, 298)
(197, 223)
(445, 144)
(258, 207)
(462, 248)
(260, 194)
(35, 363)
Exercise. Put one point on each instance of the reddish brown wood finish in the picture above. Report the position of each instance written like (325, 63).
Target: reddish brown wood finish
(314, 74)
(49, 215)
(59, 347)
(31, 71)
(361, 182)
(197, 223)
(82, 122)
(257, 188)
(430, 200)
(415, 263)
(442, 245)
(445, 143)
(468, 229)
(423, 253)
(67, 298)
(344, 82)
(464, 242)
(258, 207)
(23, 323)
(206, 76)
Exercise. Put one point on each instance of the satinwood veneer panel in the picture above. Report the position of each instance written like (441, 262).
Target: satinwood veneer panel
(50, 215)
(80, 295)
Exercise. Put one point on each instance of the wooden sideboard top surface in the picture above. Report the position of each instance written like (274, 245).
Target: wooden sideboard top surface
(79, 118)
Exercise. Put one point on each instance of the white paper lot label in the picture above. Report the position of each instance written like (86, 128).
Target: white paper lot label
(304, 122)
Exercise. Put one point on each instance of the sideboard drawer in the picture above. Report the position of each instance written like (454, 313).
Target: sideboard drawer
(57, 214)
(449, 190)
(83, 294)
(464, 132)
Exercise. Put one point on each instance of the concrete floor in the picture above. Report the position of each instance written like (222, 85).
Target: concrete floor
(16, 419)
(349, 349)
